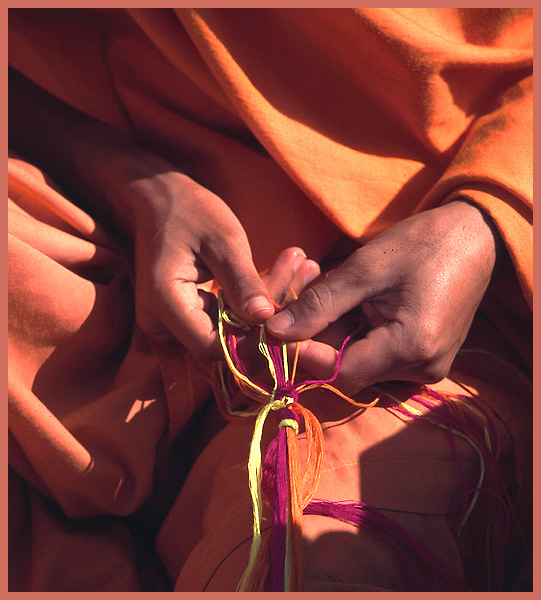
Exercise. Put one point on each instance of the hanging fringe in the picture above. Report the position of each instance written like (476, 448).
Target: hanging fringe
(426, 570)
(290, 492)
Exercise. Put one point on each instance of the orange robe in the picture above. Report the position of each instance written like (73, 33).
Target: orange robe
(320, 128)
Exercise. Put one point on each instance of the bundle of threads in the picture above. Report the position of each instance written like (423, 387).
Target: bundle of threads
(276, 562)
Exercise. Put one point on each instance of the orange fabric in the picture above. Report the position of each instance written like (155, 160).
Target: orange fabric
(316, 126)
(405, 470)
(89, 406)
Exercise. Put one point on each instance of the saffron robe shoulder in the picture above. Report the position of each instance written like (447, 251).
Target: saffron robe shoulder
(355, 120)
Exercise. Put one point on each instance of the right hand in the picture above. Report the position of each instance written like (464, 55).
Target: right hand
(417, 287)
(184, 235)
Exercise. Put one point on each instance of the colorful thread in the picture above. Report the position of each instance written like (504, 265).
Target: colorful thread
(291, 493)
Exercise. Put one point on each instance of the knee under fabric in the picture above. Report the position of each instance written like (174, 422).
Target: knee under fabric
(276, 562)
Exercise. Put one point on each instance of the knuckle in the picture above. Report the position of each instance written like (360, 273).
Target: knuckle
(317, 300)
(223, 241)
(424, 344)
(434, 371)
(427, 355)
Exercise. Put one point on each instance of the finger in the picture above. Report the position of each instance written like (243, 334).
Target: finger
(317, 358)
(279, 277)
(183, 310)
(386, 353)
(290, 274)
(373, 359)
(291, 271)
(244, 290)
(308, 272)
(320, 305)
(361, 364)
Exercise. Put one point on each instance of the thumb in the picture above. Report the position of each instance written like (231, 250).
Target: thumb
(319, 306)
(244, 290)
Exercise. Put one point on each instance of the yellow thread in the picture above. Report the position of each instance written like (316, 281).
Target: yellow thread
(409, 409)
(254, 476)
(227, 399)
(481, 475)
(289, 423)
(264, 349)
(295, 361)
(300, 492)
(249, 386)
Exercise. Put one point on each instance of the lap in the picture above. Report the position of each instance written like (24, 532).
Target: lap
(404, 468)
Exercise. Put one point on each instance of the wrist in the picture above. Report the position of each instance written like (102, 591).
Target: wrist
(477, 230)
(131, 187)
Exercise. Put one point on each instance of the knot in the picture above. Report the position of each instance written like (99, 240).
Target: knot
(287, 390)
(289, 423)
(288, 418)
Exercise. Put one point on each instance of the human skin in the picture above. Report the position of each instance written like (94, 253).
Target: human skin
(419, 283)
(181, 235)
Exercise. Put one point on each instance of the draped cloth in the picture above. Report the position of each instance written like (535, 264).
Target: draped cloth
(320, 128)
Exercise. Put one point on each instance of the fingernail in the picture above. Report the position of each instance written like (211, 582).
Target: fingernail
(310, 275)
(298, 262)
(281, 322)
(258, 304)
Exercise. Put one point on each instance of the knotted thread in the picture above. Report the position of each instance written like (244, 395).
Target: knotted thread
(290, 493)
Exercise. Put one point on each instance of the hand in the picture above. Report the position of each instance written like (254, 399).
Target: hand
(291, 273)
(181, 234)
(184, 235)
(419, 284)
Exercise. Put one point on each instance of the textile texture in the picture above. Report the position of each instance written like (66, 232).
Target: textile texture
(320, 128)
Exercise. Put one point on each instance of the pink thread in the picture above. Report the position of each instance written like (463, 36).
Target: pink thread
(279, 515)
(426, 570)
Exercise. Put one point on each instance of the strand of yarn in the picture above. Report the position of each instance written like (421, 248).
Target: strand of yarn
(254, 478)
(453, 430)
(290, 492)
(278, 368)
(425, 569)
(466, 418)
(280, 539)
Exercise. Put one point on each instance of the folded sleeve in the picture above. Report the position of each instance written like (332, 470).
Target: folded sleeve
(494, 168)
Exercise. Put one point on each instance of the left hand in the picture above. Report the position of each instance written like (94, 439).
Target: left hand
(418, 283)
